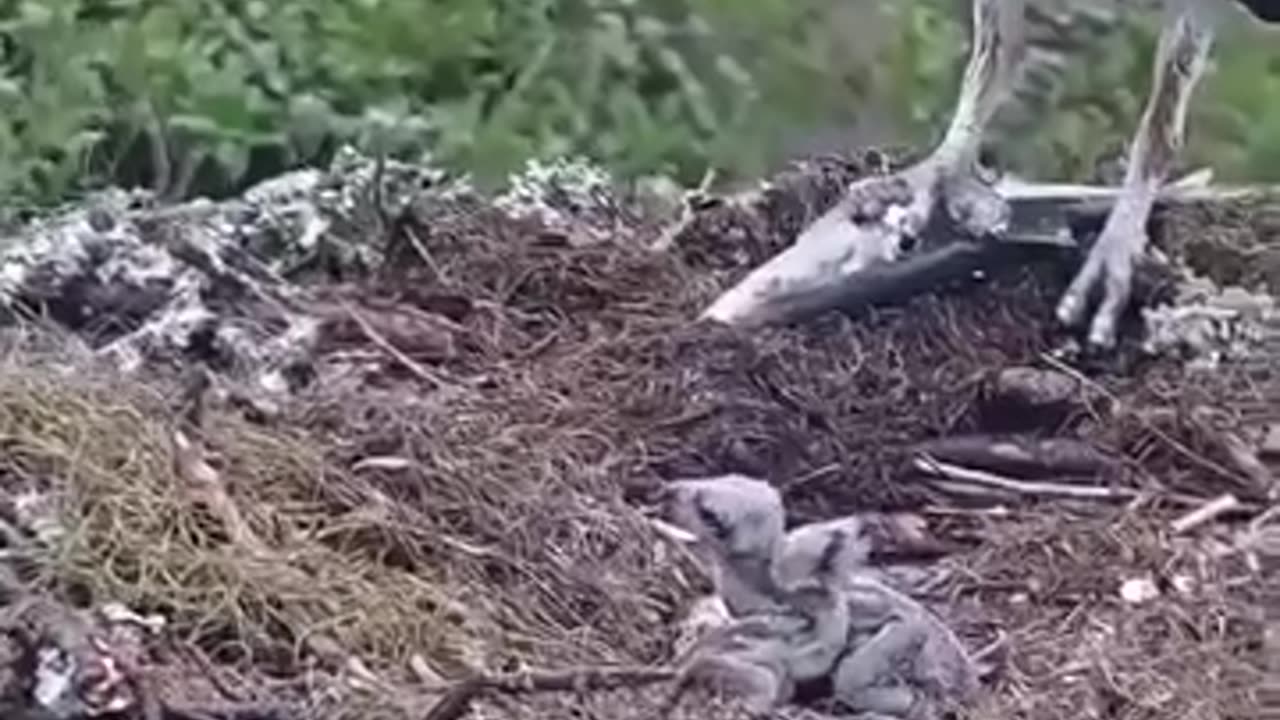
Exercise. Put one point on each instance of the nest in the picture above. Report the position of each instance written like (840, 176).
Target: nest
(461, 491)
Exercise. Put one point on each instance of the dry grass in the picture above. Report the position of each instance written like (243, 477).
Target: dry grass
(134, 533)
(470, 557)
(1053, 582)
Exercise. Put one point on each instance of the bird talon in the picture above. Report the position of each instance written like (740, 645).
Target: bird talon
(1102, 335)
(1069, 309)
(1109, 265)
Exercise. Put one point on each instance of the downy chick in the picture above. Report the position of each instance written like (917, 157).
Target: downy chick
(897, 658)
(738, 522)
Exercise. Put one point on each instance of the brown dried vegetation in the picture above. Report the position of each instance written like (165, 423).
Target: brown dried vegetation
(464, 485)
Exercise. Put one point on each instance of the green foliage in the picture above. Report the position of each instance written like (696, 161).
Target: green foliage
(204, 96)
(1233, 122)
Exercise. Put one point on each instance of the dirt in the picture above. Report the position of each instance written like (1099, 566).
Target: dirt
(455, 473)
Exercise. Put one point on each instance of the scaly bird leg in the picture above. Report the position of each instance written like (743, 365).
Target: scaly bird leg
(998, 47)
(1180, 60)
(880, 218)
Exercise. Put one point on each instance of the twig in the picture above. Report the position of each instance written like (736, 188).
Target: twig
(1207, 512)
(206, 668)
(362, 675)
(928, 464)
(960, 491)
(230, 711)
(1270, 515)
(1260, 540)
(425, 255)
(457, 700)
(205, 484)
(387, 346)
(992, 656)
(1246, 461)
(810, 477)
(1021, 456)
(995, 512)
(688, 213)
(455, 703)
(1122, 408)
(1191, 188)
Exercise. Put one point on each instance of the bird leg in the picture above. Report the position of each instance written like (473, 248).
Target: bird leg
(1180, 60)
(881, 218)
(997, 48)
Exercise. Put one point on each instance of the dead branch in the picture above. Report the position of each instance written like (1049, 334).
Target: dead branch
(458, 699)
(1245, 460)
(964, 491)
(378, 339)
(1240, 463)
(1148, 420)
(1021, 456)
(1206, 513)
(1086, 206)
(957, 474)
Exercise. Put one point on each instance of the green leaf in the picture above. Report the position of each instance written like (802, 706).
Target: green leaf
(196, 126)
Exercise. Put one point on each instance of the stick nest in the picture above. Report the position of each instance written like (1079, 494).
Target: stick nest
(458, 492)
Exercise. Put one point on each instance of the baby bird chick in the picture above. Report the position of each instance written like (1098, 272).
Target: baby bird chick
(897, 659)
(778, 636)
(738, 524)
(760, 658)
